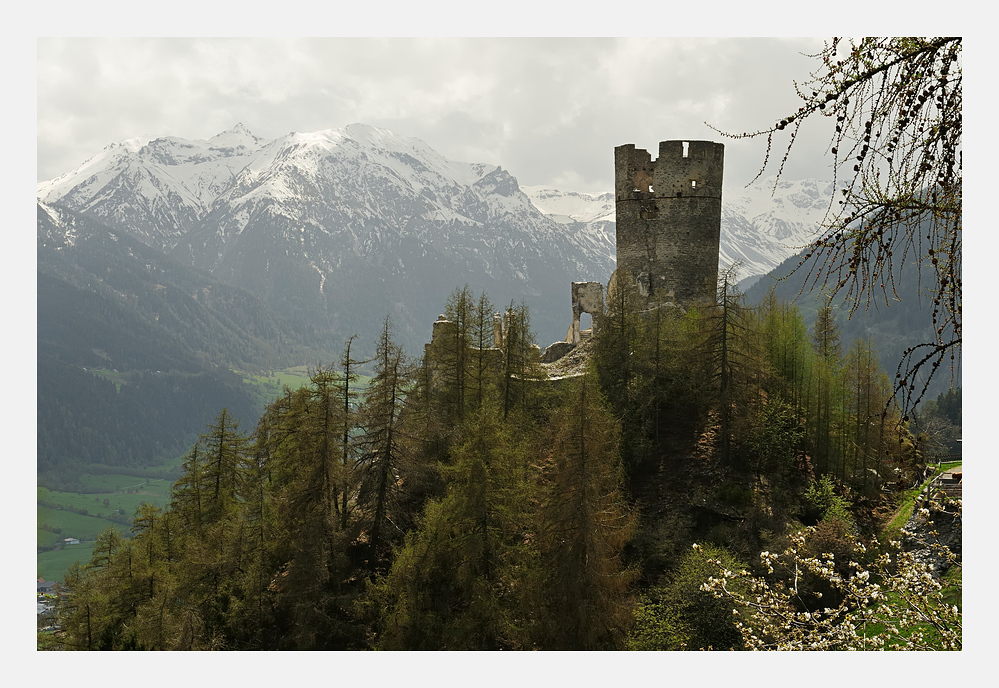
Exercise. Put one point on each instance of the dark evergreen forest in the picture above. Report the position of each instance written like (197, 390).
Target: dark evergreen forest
(467, 501)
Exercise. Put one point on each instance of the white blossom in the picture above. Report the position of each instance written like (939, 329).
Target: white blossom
(907, 604)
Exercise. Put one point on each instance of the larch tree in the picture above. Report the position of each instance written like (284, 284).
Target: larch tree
(93, 611)
(733, 365)
(615, 341)
(584, 526)
(347, 390)
(520, 364)
(304, 464)
(786, 344)
(458, 581)
(208, 501)
(483, 340)
(825, 374)
(895, 109)
(382, 445)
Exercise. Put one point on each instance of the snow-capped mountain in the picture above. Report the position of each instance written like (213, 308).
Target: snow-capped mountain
(761, 225)
(589, 216)
(340, 227)
(158, 189)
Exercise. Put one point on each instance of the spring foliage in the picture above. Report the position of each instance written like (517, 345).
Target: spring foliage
(467, 503)
(887, 598)
(896, 111)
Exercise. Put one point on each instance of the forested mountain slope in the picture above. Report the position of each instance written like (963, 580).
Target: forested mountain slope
(168, 335)
(891, 328)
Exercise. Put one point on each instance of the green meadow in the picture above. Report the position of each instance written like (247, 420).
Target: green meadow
(270, 387)
(112, 499)
(52, 565)
(83, 515)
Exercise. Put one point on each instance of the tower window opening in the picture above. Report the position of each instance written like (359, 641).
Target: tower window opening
(686, 148)
(693, 183)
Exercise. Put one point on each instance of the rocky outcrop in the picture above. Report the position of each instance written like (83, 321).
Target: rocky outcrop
(935, 528)
(556, 351)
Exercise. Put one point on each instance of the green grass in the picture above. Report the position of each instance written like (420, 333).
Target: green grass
(68, 523)
(52, 565)
(123, 493)
(951, 596)
(892, 531)
(128, 484)
(112, 375)
(269, 388)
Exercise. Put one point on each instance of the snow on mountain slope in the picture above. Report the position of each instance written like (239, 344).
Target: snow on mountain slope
(571, 206)
(761, 226)
(340, 226)
(53, 228)
(588, 217)
(157, 188)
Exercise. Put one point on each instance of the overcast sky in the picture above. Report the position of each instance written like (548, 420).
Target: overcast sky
(550, 111)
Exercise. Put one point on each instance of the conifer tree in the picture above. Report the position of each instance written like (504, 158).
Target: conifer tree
(304, 464)
(615, 340)
(92, 613)
(584, 526)
(456, 353)
(383, 445)
(875, 428)
(483, 360)
(732, 358)
(787, 349)
(208, 503)
(828, 349)
(458, 581)
(520, 362)
(347, 390)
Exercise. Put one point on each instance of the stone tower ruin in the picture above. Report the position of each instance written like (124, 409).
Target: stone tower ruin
(669, 218)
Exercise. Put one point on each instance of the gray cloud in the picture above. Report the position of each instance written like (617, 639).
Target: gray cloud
(548, 110)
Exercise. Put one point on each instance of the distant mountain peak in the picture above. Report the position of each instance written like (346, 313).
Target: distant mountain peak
(370, 134)
(362, 219)
(132, 145)
(234, 137)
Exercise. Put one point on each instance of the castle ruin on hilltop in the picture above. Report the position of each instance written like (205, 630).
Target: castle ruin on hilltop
(668, 233)
(669, 218)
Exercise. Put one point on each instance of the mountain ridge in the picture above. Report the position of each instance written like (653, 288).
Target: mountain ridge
(340, 227)
(307, 220)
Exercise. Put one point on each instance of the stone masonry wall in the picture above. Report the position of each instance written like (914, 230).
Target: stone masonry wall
(587, 297)
(669, 218)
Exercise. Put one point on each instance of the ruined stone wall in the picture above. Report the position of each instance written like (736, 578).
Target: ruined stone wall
(587, 297)
(669, 218)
